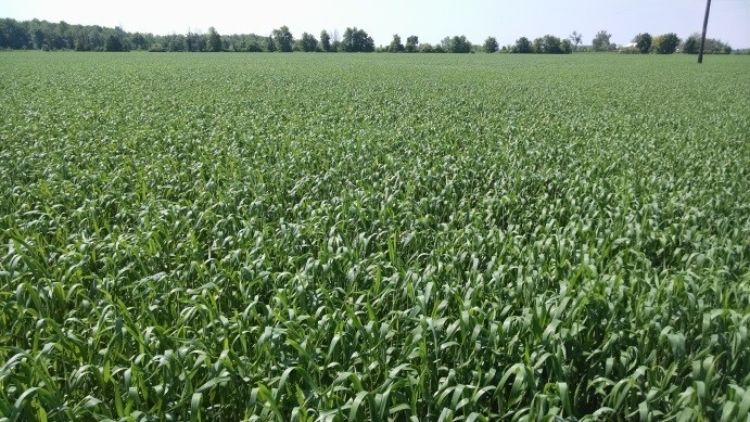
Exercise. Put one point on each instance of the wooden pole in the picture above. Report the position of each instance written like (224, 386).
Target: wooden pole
(703, 37)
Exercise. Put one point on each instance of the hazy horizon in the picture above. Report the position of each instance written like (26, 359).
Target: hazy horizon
(431, 21)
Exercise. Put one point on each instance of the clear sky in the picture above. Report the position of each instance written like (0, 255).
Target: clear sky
(430, 20)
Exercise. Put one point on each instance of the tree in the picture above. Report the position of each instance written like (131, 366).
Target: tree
(195, 42)
(666, 43)
(81, 42)
(538, 44)
(15, 35)
(576, 39)
(139, 41)
(691, 45)
(38, 38)
(601, 41)
(710, 46)
(270, 44)
(284, 39)
(412, 44)
(643, 42)
(308, 42)
(396, 46)
(456, 44)
(176, 43)
(356, 40)
(490, 45)
(214, 40)
(566, 46)
(426, 47)
(523, 46)
(325, 41)
(552, 44)
(113, 43)
(549, 44)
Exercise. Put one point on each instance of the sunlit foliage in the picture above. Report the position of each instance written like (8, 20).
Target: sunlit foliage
(374, 237)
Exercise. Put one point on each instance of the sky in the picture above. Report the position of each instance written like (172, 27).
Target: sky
(431, 20)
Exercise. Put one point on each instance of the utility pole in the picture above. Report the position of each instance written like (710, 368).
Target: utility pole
(703, 37)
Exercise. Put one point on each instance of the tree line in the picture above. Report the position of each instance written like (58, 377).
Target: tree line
(43, 35)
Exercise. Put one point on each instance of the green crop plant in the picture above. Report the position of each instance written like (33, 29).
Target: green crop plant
(378, 237)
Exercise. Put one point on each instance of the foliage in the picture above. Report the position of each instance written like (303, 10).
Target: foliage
(691, 45)
(308, 43)
(523, 45)
(283, 39)
(576, 39)
(566, 47)
(490, 45)
(214, 40)
(36, 34)
(490, 237)
(643, 42)
(325, 41)
(601, 41)
(113, 43)
(195, 42)
(666, 44)
(712, 46)
(396, 46)
(426, 48)
(43, 35)
(271, 44)
(412, 44)
(550, 44)
(456, 44)
(357, 41)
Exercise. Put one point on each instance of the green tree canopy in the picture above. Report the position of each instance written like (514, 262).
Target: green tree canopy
(711, 46)
(643, 42)
(357, 40)
(601, 41)
(283, 39)
(325, 41)
(456, 44)
(426, 47)
(113, 43)
(412, 44)
(522, 45)
(551, 45)
(308, 42)
(214, 40)
(490, 45)
(396, 46)
(666, 43)
(271, 44)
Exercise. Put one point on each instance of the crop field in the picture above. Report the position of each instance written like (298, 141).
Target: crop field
(374, 237)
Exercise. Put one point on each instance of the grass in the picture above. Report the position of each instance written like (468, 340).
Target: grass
(347, 237)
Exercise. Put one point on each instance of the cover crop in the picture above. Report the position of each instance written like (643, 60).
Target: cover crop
(380, 237)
